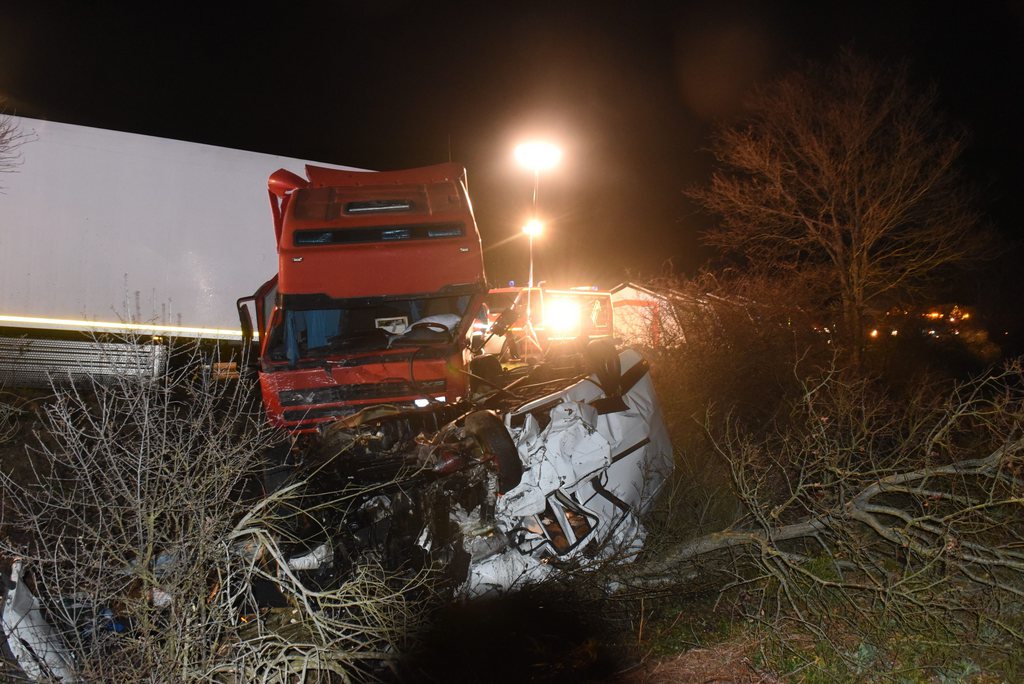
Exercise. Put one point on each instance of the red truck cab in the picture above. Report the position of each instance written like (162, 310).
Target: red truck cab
(380, 277)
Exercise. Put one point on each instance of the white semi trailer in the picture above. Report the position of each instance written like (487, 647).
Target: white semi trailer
(104, 232)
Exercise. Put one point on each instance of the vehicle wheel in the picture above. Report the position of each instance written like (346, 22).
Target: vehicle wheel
(490, 434)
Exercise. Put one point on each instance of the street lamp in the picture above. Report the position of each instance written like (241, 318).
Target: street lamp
(532, 228)
(536, 156)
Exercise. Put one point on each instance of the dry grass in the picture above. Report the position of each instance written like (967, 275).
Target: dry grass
(729, 661)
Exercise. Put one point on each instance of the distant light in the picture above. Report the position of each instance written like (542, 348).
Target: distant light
(440, 399)
(421, 403)
(538, 156)
(874, 333)
(966, 315)
(533, 227)
(894, 333)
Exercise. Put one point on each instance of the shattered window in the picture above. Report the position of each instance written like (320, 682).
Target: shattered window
(349, 327)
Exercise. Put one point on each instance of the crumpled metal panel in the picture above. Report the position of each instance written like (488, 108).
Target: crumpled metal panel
(587, 478)
(35, 644)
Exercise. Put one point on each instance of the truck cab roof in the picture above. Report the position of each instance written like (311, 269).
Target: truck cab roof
(348, 234)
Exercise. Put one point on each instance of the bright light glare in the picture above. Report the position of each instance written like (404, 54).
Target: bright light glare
(561, 316)
(140, 328)
(421, 403)
(533, 227)
(538, 156)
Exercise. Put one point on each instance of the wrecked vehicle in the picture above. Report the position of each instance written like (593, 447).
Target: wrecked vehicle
(502, 499)
(380, 278)
(593, 458)
(537, 483)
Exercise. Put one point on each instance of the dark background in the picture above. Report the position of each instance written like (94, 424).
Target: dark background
(630, 91)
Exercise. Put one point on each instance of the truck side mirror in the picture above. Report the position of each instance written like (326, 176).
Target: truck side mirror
(245, 318)
(250, 352)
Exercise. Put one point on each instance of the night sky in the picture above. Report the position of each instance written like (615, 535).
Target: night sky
(630, 90)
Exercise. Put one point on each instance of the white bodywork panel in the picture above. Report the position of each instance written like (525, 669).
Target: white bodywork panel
(587, 479)
(106, 226)
(35, 644)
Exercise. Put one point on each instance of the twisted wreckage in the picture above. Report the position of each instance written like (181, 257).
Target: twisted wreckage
(499, 474)
(498, 498)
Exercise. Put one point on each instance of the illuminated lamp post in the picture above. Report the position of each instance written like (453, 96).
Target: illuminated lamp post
(532, 229)
(536, 156)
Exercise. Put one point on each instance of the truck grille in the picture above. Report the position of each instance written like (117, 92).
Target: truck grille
(340, 393)
(313, 414)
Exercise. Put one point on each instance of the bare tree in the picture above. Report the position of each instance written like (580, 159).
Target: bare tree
(847, 174)
(143, 527)
(11, 140)
(9, 413)
(875, 517)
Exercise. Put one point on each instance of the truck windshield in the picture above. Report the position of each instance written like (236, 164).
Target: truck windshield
(359, 327)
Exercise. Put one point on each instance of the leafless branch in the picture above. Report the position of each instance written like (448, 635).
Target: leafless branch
(144, 527)
(878, 513)
(12, 137)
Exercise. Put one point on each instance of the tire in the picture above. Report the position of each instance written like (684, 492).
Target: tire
(489, 433)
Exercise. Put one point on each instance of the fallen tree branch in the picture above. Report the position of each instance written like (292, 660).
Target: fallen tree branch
(892, 512)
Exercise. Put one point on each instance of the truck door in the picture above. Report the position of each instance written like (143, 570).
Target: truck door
(262, 304)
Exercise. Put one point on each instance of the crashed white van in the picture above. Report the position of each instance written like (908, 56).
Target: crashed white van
(593, 459)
